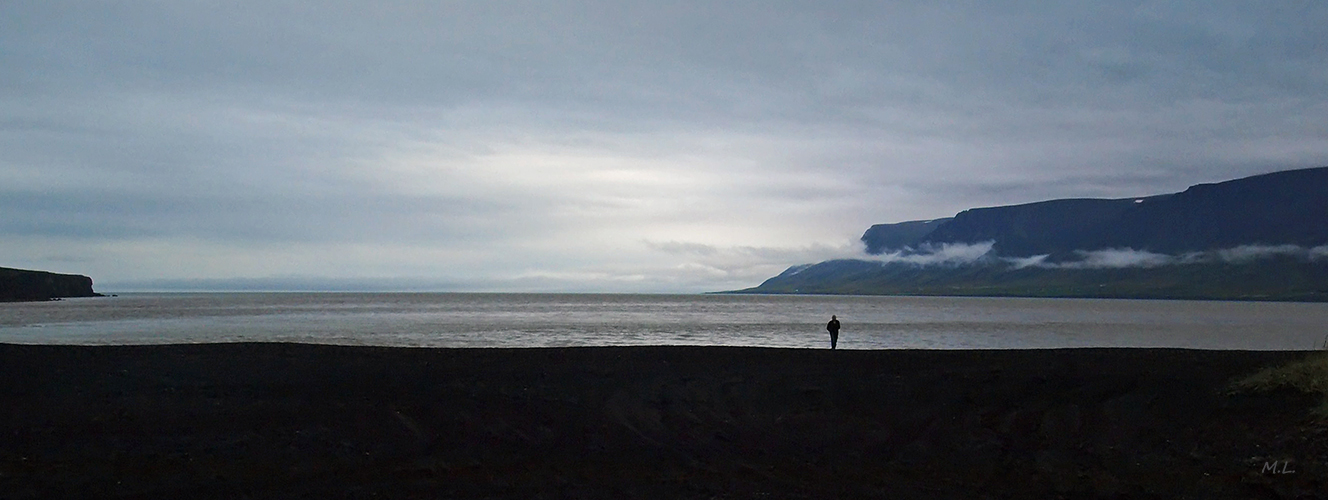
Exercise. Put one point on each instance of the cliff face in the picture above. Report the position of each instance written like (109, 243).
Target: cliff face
(882, 238)
(22, 285)
(1281, 208)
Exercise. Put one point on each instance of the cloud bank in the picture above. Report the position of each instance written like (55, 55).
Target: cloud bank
(1108, 258)
(943, 254)
(530, 145)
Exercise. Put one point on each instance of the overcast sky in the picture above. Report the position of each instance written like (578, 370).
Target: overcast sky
(649, 146)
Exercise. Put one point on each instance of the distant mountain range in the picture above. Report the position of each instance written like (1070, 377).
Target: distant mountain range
(18, 285)
(1262, 237)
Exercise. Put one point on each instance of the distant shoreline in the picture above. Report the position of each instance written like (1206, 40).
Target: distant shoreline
(283, 420)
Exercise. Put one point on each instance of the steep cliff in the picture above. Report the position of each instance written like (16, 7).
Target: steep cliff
(1280, 208)
(23, 285)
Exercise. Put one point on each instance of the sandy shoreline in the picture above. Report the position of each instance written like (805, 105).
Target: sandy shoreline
(289, 420)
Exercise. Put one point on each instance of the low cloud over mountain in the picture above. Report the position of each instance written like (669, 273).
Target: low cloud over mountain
(1107, 258)
(1257, 237)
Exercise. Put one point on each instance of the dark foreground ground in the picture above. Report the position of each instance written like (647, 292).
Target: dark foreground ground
(300, 421)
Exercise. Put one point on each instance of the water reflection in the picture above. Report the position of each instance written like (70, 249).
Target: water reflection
(539, 320)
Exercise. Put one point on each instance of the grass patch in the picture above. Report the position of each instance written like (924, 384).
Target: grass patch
(1309, 375)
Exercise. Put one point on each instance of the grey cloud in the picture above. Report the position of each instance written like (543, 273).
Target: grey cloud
(1246, 253)
(461, 125)
(1115, 258)
(271, 217)
(1106, 258)
(737, 266)
(946, 254)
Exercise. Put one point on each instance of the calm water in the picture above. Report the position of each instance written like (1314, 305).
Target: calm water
(533, 320)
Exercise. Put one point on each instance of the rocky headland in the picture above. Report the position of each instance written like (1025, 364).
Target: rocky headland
(20, 285)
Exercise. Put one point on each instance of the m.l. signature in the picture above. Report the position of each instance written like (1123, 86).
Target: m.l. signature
(1277, 467)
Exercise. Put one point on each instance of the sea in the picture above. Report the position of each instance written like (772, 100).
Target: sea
(486, 320)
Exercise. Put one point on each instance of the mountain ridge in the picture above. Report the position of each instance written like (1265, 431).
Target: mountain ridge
(1263, 237)
(1276, 208)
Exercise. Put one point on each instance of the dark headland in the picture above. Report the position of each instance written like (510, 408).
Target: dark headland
(20, 285)
(303, 421)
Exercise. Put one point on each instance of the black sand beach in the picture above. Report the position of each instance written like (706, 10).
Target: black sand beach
(302, 421)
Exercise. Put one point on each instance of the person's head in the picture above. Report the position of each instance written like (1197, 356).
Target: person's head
(833, 317)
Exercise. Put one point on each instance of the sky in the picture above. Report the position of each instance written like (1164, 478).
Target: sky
(606, 146)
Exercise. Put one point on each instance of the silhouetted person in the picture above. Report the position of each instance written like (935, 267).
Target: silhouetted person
(833, 328)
